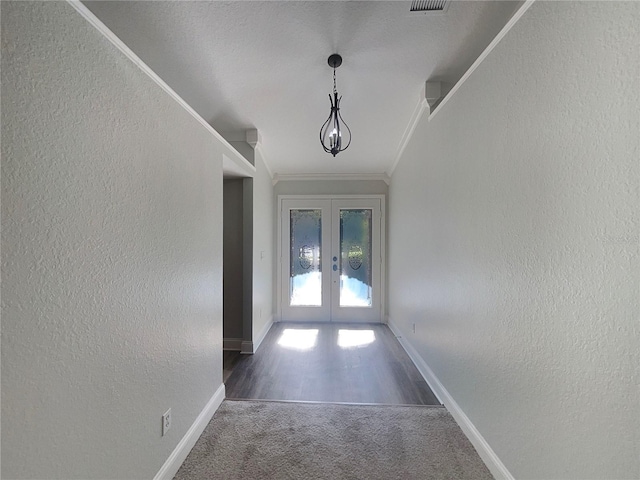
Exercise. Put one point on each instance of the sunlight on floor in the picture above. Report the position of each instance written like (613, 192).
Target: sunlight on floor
(355, 338)
(298, 338)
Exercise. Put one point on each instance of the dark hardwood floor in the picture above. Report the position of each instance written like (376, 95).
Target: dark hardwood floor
(229, 361)
(328, 362)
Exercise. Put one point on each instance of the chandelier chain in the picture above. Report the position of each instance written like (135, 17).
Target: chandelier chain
(334, 81)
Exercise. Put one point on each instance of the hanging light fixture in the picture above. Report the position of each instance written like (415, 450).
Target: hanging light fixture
(331, 131)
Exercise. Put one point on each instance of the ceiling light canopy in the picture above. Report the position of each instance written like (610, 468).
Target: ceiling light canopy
(332, 130)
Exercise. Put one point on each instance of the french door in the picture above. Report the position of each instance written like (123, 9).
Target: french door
(331, 259)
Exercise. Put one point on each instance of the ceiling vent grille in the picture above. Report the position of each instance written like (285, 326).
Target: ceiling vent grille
(429, 6)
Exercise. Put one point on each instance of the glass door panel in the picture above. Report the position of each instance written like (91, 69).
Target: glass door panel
(355, 258)
(357, 262)
(305, 261)
(306, 243)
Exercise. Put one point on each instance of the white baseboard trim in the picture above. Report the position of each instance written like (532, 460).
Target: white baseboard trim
(246, 347)
(489, 457)
(263, 333)
(423, 368)
(179, 454)
(233, 344)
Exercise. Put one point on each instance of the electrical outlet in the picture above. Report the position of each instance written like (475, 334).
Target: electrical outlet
(166, 422)
(414, 328)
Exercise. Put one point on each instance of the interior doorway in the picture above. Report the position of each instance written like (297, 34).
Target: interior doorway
(238, 264)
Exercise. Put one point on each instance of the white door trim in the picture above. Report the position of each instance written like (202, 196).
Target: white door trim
(383, 246)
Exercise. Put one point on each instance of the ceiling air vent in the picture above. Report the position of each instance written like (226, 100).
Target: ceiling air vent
(429, 6)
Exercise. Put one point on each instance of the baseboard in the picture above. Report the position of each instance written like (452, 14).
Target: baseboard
(423, 368)
(246, 347)
(263, 333)
(489, 457)
(233, 344)
(179, 454)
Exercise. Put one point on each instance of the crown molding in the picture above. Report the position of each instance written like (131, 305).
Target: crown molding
(494, 43)
(423, 105)
(408, 132)
(260, 150)
(350, 177)
(254, 139)
(235, 136)
(419, 110)
(122, 47)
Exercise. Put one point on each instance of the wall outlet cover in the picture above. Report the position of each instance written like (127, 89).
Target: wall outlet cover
(166, 422)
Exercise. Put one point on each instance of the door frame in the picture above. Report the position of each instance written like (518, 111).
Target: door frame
(383, 237)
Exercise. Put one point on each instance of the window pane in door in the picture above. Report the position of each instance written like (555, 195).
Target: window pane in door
(355, 257)
(305, 271)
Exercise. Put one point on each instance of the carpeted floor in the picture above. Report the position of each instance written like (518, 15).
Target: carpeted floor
(286, 440)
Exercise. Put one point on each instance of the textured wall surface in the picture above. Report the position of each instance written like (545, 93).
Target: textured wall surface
(514, 243)
(111, 255)
(263, 248)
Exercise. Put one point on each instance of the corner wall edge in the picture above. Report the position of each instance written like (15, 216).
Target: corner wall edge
(262, 334)
(485, 53)
(94, 21)
(421, 107)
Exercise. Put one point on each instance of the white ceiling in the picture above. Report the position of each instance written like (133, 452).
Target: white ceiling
(246, 64)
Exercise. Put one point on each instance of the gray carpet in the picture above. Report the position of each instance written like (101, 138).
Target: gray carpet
(285, 440)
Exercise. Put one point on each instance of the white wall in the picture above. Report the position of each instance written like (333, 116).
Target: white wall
(111, 255)
(263, 250)
(514, 243)
(330, 187)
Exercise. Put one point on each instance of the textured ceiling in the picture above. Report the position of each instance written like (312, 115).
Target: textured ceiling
(263, 65)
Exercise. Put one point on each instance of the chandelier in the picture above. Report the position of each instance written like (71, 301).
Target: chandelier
(331, 130)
